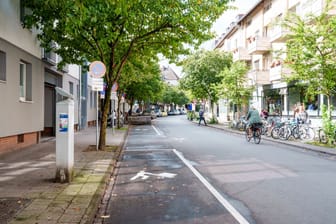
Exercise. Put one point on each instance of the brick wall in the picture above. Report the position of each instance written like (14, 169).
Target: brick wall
(15, 142)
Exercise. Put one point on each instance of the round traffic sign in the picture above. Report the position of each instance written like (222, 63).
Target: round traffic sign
(97, 69)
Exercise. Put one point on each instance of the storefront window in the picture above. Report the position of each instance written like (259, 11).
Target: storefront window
(273, 102)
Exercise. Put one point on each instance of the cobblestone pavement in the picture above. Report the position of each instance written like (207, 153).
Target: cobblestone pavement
(28, 193)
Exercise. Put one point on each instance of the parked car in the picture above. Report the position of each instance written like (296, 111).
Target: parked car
(158, 112)
(182, 111)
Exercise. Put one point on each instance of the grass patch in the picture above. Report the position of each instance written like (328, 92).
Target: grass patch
(321, 144)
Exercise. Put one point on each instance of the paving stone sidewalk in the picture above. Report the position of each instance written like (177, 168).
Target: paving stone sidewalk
(29, 195)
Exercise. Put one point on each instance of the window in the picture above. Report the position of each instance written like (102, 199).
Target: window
(25, 81)
(78, 91)
(2, 66)
(71, 88)
(91, 98)
(24, 11)
(249, 22)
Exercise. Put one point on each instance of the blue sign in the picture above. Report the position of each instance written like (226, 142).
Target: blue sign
(63, 122)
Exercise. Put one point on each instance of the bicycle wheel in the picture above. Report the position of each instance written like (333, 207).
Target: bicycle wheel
(309, 133)
(257, 135)
(248, 135)
(275, 132)
(284, 133)
(322, 137)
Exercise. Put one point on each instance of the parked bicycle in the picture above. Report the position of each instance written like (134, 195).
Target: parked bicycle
(323, 138)
(239, 124)
(254, 131)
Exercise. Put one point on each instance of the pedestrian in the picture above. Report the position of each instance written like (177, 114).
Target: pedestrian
(264, 114)
(201, 117)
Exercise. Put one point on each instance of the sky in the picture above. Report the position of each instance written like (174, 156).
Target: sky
(219, 26)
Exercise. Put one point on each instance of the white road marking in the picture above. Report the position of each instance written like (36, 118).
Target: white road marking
(156, 130)
(145, 175)
(213, 191)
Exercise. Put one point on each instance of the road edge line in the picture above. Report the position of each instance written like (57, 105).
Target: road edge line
(213, 191)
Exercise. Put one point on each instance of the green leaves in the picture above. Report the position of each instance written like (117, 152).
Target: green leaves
(233, 85)
(311, 51)
(202, 72)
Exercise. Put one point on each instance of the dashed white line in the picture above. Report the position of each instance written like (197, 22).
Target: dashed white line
(213, 191)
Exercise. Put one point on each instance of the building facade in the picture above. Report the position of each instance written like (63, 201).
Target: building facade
(257, 39)
(28, 77)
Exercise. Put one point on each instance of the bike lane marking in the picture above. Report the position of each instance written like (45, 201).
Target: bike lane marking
(213, 191)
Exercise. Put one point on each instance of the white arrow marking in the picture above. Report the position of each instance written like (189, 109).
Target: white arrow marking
(145, 175)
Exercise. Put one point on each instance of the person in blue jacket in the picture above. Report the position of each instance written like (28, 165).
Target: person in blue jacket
(201, 117)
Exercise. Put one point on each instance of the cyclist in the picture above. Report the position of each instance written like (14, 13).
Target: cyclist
(253, 118)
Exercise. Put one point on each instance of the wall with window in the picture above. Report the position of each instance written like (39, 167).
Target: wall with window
(21, 92)
(11, 11)
(70, 84)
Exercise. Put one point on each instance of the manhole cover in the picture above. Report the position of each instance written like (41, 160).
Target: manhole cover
(10, 206)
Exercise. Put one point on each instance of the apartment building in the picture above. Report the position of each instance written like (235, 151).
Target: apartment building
(257, 39)
(28, 77)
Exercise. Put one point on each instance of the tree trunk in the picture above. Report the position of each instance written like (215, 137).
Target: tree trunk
(103, 123)
(118, 111)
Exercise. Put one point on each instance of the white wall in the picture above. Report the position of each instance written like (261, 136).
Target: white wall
(11, 29)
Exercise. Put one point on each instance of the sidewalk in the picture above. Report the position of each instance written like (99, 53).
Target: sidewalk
(29, 195)
(295, 143)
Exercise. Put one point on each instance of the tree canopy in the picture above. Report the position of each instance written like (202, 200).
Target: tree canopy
(310, 51)
(203, 73)
(233, 85)
(113, 31)
(173, 95)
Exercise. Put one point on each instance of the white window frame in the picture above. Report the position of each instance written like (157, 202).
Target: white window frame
(23, 80)
(71, 88)
(2, 66)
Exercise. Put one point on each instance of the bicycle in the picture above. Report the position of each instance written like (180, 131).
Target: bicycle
(256, 133)
(323, 138)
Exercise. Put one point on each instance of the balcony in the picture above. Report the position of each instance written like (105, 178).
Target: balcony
(65, 68)
(259, 76)
(278, 34)
(277, 72)
(49, 57)
(258, 45)
(241, 54)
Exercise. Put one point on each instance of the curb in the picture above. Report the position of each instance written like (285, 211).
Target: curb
(304, 146)
(107, 186)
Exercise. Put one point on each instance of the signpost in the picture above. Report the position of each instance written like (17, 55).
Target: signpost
(97, 70)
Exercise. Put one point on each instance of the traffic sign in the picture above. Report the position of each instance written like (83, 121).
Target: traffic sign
(97, 84)
(97, 69)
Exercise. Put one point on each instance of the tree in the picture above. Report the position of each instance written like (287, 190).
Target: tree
(144, 82)
(112, 31)
(310, 52)
(172, 95)
(233, 85)
(203, 74)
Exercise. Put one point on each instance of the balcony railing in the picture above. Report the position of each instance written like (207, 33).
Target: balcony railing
(277, 72)
(258, 45)
(49, 57)
(278, 34)
(259, 76)
(241, 54)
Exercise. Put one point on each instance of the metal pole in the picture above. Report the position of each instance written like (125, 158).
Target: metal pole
(97, 122)
(113, 107)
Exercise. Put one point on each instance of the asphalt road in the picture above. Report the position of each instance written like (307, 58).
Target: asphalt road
(175, 171)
